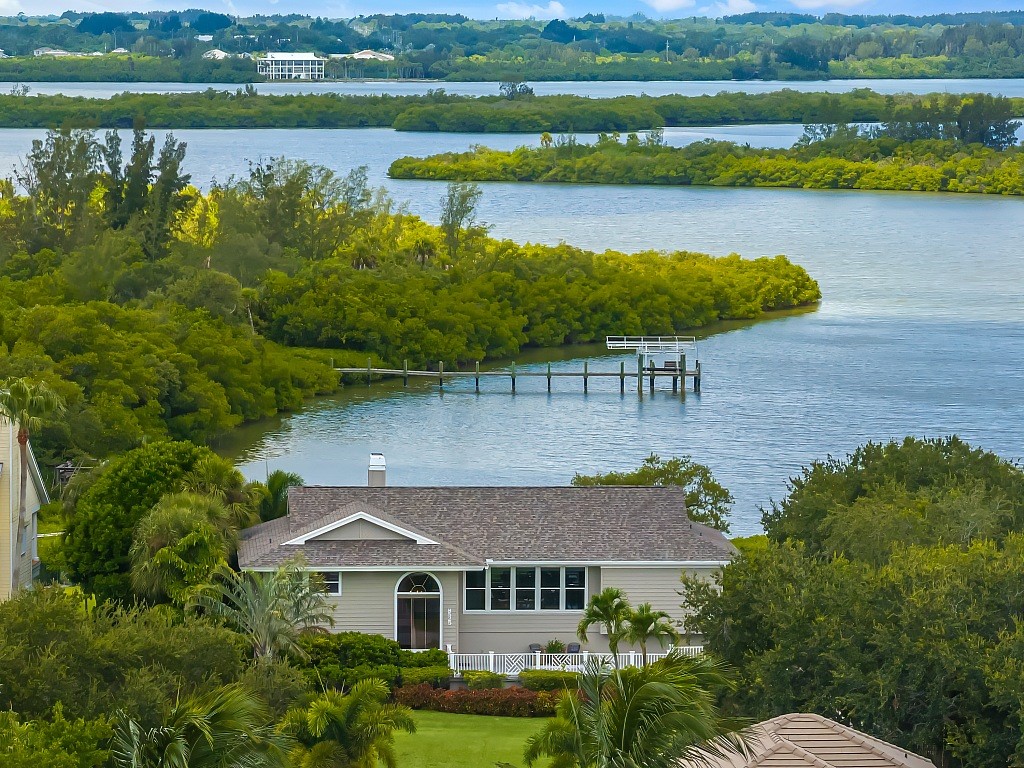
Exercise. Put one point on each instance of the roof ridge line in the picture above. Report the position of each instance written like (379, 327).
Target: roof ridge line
(795, 749)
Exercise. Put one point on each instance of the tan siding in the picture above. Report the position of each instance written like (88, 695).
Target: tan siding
(367, 603)
(661, 587)
(8, 508)
(358, 530)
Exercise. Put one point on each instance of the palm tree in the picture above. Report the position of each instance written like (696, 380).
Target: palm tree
(217, 477)
(179, 544)
(653, 716)
(611, 609)
(646, 624)
(270, 609)
(337, 730)
(25, 404)
(228, 726)
(275, 501)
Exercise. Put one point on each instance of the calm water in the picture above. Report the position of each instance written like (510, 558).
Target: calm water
(921, 332)
(1005, 87)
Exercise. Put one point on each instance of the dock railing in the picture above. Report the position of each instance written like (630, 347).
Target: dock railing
(511, 664)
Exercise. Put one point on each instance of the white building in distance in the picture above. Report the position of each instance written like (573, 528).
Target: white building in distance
(291, 66)
(364, 55)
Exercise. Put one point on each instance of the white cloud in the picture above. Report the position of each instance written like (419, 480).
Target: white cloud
(514, 10)
(665, 6)
(814, 4)
(9, 7)
(728, 8)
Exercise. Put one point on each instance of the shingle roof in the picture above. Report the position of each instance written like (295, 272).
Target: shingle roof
(801, 740)
(502, 524)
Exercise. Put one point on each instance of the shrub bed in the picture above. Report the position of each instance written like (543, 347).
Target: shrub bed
(434, 676)
(482, 681)
(343, 659)
(503, 702)
(549, 680)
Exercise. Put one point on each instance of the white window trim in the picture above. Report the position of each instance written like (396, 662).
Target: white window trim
(327, 592)
(356, 517)
(536, 588)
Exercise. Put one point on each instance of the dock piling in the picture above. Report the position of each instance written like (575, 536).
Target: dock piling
(652, 377)
(622, 377)
(369, 370)
(478, 377)
(440, 374)
(513, 378)
(696, 378)
(549, 378)
(585, 374)
(405, 373)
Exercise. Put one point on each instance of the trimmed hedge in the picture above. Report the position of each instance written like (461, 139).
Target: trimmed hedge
(483, 681)
(433, 676)
(549, 680)
(504, 702)
(343, 659)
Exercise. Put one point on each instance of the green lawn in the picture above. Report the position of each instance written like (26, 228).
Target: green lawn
(464, 741)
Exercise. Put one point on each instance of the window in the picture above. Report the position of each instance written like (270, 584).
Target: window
(332, 582)
(476, 590)
(527, 588)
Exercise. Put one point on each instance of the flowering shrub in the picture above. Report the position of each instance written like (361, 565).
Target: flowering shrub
(504, 702)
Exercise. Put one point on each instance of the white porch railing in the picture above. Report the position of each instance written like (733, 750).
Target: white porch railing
(511, 664)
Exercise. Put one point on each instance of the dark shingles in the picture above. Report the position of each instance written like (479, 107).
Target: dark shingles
(525, 524)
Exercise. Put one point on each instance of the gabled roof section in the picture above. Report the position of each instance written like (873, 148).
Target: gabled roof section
(804, 740)
(473, 526)
(353, 513)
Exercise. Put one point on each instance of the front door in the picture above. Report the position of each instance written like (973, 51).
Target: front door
(418, 612)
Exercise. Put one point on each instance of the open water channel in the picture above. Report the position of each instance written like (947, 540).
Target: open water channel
(921, 331)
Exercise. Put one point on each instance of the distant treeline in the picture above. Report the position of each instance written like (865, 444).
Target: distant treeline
(844, 160)
(439, 111)
(126, 69)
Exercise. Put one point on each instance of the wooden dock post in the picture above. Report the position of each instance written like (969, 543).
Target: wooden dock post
(549, 378)
(513, 377)
(622, 377)
(640, 375)
(369, 370)
(440, 374)
(682, 375)
(585, 374)
(478, 377)
(652, 377)
(405, 373)
(696, 379)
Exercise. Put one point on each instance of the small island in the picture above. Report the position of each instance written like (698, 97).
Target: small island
(967, 145)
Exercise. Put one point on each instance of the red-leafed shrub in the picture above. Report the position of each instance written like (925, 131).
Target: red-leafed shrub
(504, 702)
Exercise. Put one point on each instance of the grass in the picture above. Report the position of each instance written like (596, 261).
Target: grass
(443, 740)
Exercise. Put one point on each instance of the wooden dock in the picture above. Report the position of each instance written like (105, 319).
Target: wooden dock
(674, 370)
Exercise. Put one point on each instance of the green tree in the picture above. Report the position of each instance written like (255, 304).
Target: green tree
(646, 624)
(608, 609)
(354, 729)
(274, 503)
(458, 213)
(270, 609)
(228, 726)
(707, 500)
(217, 477)
(179, 544)
(53, 743)
(25, 404)
(653, 716)
(98, 538)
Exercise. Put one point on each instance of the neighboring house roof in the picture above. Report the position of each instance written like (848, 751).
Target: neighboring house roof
(469, 527)
(216, 53)
(803, 740)
(365, 54)
(278, 56)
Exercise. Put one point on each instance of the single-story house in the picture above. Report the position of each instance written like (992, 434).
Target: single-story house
(477, 569)
(802, 740)
(18, 552)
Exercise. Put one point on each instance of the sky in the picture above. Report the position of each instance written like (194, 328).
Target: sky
(509, 9)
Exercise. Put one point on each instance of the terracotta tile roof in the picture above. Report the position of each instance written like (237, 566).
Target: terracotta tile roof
(800, 739)
(502, 524)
